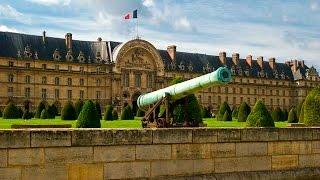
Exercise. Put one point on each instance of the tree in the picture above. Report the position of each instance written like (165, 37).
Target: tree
(227, 116)
(27, 115)
(88, 117)
(311, 108)
(223, 108)
(115, 114)
(78, 106)
(68, 112)
(244, 111)
(301, 116)
(292, 118)
(235, 112)
(20, 112)
(299, 107)
(42, 105)
(126, 113)
(98, 107)
(108, 113)
(44, 114)
(259, 116)
(52, 112)
(284, 116)
(276, 114)
(10, 111)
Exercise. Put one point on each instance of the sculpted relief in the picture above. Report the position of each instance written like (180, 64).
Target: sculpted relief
(138, 58)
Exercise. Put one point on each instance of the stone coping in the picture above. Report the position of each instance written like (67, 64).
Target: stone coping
(24, 138)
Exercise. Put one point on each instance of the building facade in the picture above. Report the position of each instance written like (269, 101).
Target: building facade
(36, 68)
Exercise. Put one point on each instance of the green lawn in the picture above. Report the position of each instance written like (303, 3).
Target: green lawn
(212, 123)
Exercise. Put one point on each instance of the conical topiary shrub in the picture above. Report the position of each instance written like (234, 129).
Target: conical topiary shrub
(284, 116)
(243, 112)
(299, 107)
(292, 118)
(235, 112)
(11, 111)
(52, 111)
(259, 116)
(276, 114)
(227, 116)
(0, 113)
(20, 112)
(311, 108)
(88, 117)
(27, 115)
(108, 113)
(98, 107)
(193, 109)
(301, 116)
(126, 113)
(78, 106)
(41, 106)
(223, 108)
(68, 112)
(115, 115)
(44, 114)
(140, 113)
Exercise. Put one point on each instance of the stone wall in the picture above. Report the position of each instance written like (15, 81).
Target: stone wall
(139, 153)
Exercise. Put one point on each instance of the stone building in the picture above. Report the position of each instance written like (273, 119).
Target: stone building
(35, 68)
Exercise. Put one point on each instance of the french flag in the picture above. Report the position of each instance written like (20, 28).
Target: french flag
(131, 15)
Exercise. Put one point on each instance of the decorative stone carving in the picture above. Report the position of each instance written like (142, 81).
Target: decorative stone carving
(36, 55)
(207, 68)
(172, 66)
(190, 67)
(69, 56)
(181, 66)
(276, 74)
(283, 76)
(98, 57)
(233, 70)
(262, 73)
(19, 54)
(239, 71)
(81, 57)
(56, 55)
(27, 52)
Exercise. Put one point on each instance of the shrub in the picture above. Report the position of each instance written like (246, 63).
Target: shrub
(140, 113)
(227, 116)
(68, 112)
(78, 106)
(292, 118)
(178, 114)
(235, 112)
(115, 114)
(41, 106)
(0, 113)
(27, 115)
(193, 110)
(98, 107)
(207, 111)
(88, 117)
(243, 112)
(108, 113)
(276, 114)
(299, 107)
(126, 113)
(52, 112)
(284, 116)
(20, 112)
(301, 116)
(44, 114)
(11, 111)
(311, 108)
(259, 116)
(223, 108)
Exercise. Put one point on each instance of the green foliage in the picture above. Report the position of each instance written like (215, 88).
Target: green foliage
(301, 116)
(227, 116)
(27, 115)
(140, 113)
(88, 117)
(235, 112)
(276, 115)
(78, 106)
(0, 113)
(243, 112)
(52, 111)
(284, 116)
(98, 107)
(44, 114)
(299, 107)
(311, 109)
(108, 113)
(126, 113)
(11, 111)
(223, 108)
(193, 110)
(178, 114)
(259, 116)
(20, 112)
(68, 112)
(115, 115)
(41, 106)
(292, 118)
(176, 80)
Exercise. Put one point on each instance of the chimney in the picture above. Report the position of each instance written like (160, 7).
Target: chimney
(294, 66)
(99, 39)
(172, 51)
(249, 60)
(235, 58)
(68, 38)
(223, 57)
(260, 61)
(44, 38)
(301, 63)
(272, 63)
(287, 63)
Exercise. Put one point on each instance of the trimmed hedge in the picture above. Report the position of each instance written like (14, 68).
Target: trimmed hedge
(193, 110)
(284, 115)
(41, 106)
(126, 113)
(301, 116)
(98, 107)
(68, 112)
(235, 112)
(311, 108)
(11, 111)
(88, 117)
(299, 107)
(115, 115)
(52, 112)
(243, 112)
(78, 106)
(108, 113)
(223, 108)
(292, 118)
(140, 113)
(227, 116)
(260, 116)
(20, 112)
(44, 114)
(178, 114)
(277, 115)
(27, 115)
(0, 113)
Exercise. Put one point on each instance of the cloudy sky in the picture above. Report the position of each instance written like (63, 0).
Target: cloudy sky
(286, 29)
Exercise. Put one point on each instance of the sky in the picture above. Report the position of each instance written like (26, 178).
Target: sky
(286, 29)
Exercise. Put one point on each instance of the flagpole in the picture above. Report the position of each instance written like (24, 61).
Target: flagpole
(137, 22)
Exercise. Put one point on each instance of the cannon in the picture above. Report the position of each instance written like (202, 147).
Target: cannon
(150, 102)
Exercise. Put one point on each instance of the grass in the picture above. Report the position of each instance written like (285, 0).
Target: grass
(212, 123)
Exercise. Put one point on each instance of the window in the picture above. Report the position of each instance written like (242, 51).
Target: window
(248, 100)
(27, 93)
(69, 83)
(11, 64)
(56, 93)
(98, 70)
(98, 82)
(137, 80)
(44, 80)
(283, 102)
(241, 99)
(69, 94)
(126, 79)
(10, 78)
(81, 69)
(98, 94)
(149, 82)
(56, 67)
(226, 90)
(44, 66)
(44, 93)
(27, 80)
(81, 82)
(27, 65)
(270, 92)
(277, 92)
(69, 68)
(199, 97)
(10, 91)
(57, 81)
(278, 102)
(81, 94)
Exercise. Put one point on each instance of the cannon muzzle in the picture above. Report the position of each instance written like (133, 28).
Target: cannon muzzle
(177, 91)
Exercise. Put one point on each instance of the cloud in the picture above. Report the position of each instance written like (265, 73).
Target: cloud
(315, 5)
(148, 3)
(5, 28)
(182, 24)
(8, 12)
(51, 2)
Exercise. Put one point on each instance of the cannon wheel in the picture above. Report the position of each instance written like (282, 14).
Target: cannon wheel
(162, 123)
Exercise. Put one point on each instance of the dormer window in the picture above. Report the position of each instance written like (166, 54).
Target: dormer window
(190, 67)
(181, 66)
(27, 52)
(81, 57)
(69, 56)
(98, 57)
(56, 55)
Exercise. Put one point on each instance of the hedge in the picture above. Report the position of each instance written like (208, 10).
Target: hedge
(88, 117)
(227, 116)
(52, 111)
(235, 112)
(115, 115)
(126, 113)
(277, 115)
(108, 113)
(78, 106)
(299, 107)
(41, 106)
(11, 111)
(44, 114)
(260, 116)
(223, 108)
(292, 118)
(243, 112)
(68, 112)
(301, 116)
(311, 108)
(140, 113)
(27, 115)
(98, 107)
